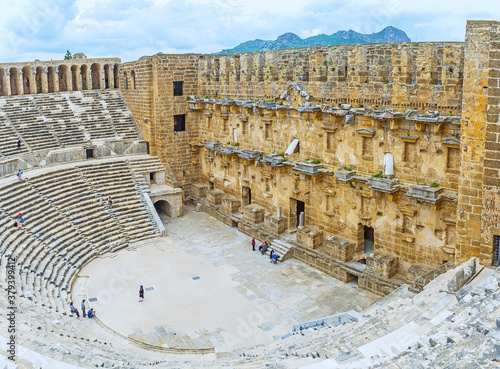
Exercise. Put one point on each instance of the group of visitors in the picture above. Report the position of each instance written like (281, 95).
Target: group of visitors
(90, 313)
(17, 222)
(273, 256)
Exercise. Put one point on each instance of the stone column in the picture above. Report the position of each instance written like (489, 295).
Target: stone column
(6, 83)
(19, 82)
(102, 79)
(111, 77)
(69, 79)
(45, 80)
(56, 79)
(278, 215)
(79, 78)
(32, 79)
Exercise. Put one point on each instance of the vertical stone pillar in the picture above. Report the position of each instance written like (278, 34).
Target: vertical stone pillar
(56, 79)
(19, 82)
(472, 170)
(32, 81)
(69, 80)
(102, 82)
(79, 78)
(6, 83)
(278, 215)
(45, 80)
(111, 77)
(491, 176)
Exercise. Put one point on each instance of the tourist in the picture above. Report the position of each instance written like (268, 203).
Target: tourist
(20, 174)
(253, 244)
(264, 246)
(76, 312)
(83, 308)
(71, 307)
(141, 294)
(91, 313)
(110, 202)
(275, 258)
(271, 255)
(20, 217)
(17, 225)
(18, 144)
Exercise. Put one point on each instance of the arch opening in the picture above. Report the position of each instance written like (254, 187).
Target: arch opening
(74, 77)
(164, 207)
(107, 77)
(39, 80)
(14, 90)
(84, 74)
(95, 73)
(116, 76)
(63, 78)
(27, 80)
(51, 79)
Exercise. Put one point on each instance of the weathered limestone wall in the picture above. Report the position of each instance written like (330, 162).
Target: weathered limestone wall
(425, 76)
(416, 231)
(148, 89)
(478, 169)
(433, 106)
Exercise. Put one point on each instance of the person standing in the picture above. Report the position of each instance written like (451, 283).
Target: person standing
(20, 174)
(18, 144)
(83, 308)
(253, 244)
(141, 294)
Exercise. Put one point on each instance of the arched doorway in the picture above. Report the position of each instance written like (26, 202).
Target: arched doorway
(107, 80)
(2, 82)
(51, 79)
(27, 80)
(14, 88)
(95, 74)
(74, 77)
(116, 76)
(84, 73)
(39, 80)
(368, 239)
(164, 207)
(63, 78)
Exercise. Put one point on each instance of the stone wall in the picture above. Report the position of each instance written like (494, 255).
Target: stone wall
(149, 92)
(479, 167)
(432, 106)
(423, 76)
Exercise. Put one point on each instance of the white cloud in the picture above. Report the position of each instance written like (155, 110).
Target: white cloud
(132, 28)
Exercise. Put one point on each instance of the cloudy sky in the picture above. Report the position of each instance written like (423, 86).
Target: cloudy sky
(129, 29)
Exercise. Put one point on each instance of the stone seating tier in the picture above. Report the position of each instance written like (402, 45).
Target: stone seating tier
(60, 120)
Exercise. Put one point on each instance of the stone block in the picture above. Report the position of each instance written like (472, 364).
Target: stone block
(253, 213)
(340, 249)
(230, 204)
(215, 197)
(274, 224)
(199, 190)
(310, 236)
(382, 263)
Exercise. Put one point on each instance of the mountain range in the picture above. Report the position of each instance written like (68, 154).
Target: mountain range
(291, 40)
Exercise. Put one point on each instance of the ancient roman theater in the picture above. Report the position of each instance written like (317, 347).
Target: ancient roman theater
(371, 170)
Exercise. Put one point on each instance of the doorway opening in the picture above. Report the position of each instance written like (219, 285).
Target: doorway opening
(246, 195)
(368, 239)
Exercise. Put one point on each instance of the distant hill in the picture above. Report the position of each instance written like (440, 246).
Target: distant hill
(289, 40)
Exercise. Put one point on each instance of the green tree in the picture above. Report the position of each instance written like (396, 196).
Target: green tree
(68, 55)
